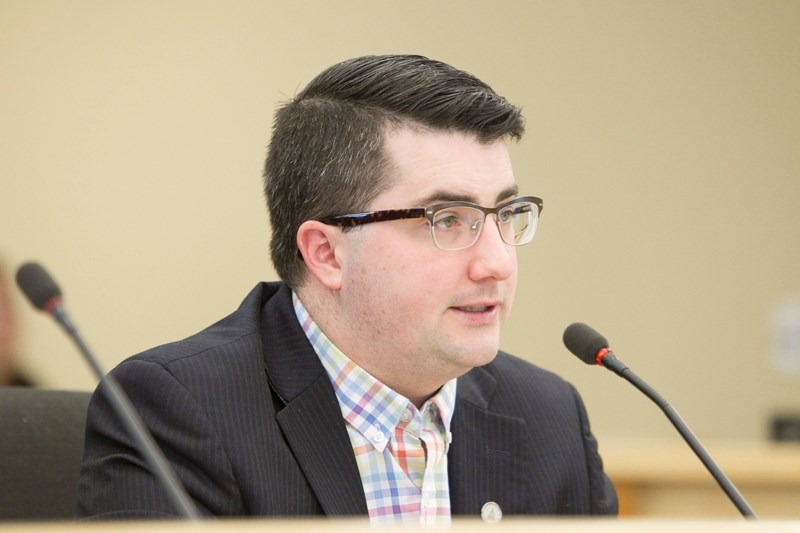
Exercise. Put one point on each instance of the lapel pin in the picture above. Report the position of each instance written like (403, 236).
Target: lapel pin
(491, 513)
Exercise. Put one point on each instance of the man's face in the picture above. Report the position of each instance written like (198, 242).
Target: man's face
(418, 315)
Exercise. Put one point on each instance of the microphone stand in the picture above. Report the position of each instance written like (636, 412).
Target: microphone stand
(611, 362)
(132, 421)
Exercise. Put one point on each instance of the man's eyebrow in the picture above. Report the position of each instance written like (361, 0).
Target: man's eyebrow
(508, 192)
(443, 196)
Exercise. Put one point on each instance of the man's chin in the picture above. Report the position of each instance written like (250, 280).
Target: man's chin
(480, 356)
(469, 349)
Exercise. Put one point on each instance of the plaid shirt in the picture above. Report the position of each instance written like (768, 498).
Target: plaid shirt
(401, 451)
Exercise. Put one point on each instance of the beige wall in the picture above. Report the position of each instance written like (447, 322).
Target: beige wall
(664, 137)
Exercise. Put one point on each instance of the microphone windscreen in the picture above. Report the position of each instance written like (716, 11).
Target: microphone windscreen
(37, 285)
(584, 342)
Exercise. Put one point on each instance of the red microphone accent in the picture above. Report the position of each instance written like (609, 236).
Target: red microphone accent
(51, 304)
(601, 354)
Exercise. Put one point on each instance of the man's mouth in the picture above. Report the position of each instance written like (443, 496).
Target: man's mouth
(475, 308)
(479, 307)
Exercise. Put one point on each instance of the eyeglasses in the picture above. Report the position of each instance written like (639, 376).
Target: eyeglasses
(457, 225)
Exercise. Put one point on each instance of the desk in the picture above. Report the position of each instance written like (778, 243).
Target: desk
(659, 478)
(523, 525)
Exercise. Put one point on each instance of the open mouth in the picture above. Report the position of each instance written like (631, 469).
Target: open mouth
(476, 308)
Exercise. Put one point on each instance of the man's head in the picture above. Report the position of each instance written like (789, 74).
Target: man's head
(327, 155)
(411, 140)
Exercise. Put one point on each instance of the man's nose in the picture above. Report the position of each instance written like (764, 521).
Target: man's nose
(492, 258)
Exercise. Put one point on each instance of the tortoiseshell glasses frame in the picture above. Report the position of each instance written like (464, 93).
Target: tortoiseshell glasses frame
(457, 225)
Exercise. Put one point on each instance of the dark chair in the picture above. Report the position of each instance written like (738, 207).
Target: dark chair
(41, 445)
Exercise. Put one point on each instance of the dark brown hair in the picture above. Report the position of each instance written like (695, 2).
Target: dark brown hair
(327, 157)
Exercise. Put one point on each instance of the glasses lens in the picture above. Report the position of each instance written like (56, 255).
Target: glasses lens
(458, 227)
(517, 222)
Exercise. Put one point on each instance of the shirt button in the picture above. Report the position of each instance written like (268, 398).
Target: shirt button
(429, 503)
(378, 436)
(406, 416)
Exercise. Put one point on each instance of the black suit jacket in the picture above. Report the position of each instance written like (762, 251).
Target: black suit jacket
(246, 414)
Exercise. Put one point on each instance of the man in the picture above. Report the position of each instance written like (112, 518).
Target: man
(367, 382)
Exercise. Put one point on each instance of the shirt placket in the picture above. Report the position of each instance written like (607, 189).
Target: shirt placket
(433, 509)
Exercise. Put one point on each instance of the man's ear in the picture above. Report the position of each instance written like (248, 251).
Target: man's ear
(318, 243)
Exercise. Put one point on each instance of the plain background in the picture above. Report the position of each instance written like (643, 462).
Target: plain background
(664, 137)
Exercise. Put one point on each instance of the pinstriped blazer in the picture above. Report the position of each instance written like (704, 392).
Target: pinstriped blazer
(245, 413)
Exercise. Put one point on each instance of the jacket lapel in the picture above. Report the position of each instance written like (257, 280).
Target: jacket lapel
(310, 419)
(315, 431)
(488, 458)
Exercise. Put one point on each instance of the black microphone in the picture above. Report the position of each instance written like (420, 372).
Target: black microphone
(592, 348)
(44, 294)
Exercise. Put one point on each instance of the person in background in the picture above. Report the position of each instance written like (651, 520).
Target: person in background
(369, 380)
(10, 374)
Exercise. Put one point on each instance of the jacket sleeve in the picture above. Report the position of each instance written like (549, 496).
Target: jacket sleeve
(603, 497)
(115, 481)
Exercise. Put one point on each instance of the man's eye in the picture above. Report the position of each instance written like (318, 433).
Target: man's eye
(513, 211)
(447, 221)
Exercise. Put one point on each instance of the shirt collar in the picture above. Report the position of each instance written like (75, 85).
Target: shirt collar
(369, 406)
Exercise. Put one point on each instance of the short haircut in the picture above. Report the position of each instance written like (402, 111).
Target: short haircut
(327, 155)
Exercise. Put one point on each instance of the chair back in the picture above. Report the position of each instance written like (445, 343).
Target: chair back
(41, 446)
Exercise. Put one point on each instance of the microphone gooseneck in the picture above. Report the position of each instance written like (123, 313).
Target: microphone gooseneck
(44, 294)
(592, 348)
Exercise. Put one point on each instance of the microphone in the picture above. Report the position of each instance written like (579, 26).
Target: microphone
(45, 295)
(592, 348)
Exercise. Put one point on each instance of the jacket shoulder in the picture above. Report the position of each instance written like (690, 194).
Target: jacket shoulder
(242, 327)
